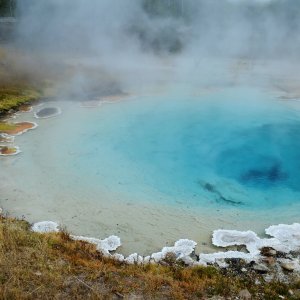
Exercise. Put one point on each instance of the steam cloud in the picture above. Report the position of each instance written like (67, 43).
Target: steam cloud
(135, 33)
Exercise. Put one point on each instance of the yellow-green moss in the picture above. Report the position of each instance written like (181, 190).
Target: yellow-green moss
(12, 97)
(6, 126)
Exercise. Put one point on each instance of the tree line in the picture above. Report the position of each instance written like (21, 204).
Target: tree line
(7, 8)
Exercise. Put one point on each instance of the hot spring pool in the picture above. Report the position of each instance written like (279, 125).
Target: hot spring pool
(157, 168)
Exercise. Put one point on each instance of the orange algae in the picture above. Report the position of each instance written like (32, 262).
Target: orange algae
(16, 128)
(4, 150)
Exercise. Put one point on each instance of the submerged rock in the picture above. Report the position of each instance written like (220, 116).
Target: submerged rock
(47, 112)
(219, 196)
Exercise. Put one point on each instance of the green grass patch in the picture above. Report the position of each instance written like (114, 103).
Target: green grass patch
(12, 97)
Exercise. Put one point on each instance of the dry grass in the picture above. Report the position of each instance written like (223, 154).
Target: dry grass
(51, 266)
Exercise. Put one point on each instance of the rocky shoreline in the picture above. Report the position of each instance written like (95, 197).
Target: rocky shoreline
(271, 259)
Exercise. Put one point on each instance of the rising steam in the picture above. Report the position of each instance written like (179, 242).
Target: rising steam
(134, 37)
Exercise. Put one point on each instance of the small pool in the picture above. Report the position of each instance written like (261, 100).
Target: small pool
(153, 169)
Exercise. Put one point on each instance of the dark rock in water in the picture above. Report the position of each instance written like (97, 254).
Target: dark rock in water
(212, 189)
(230, 201)
(209, 187)
(47, 112)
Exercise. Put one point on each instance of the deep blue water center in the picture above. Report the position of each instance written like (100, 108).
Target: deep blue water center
(265, 157)
(230, 148)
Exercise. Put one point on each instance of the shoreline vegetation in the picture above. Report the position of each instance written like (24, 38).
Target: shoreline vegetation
(13, 97)
(17, 90)
(52, 265)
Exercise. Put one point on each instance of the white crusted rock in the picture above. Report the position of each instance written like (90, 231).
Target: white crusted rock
(134, 259)
(157, 257)
(105, 246)
(200, 263)
(285, 239)
(287, 235)
(45, 227)
(181, 248)
(147, 259)
(118, 257)
(86, 239)
(221, 263)
(6, 138)
(187, 260)
(184, 247)
(226, 238)
(212, 258)
(111, 243)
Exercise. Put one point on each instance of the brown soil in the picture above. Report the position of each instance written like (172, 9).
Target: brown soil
(25, 108)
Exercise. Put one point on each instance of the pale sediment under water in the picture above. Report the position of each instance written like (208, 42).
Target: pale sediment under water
(153, 170)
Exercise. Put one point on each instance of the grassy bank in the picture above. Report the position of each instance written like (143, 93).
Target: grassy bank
(52, 266)
(12, 96)
(17, 85)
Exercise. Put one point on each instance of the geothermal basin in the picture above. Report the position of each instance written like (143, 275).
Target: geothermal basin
(154, 169)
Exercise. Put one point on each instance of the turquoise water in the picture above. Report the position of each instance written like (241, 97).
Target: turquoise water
(158, 168)
(237, 147)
